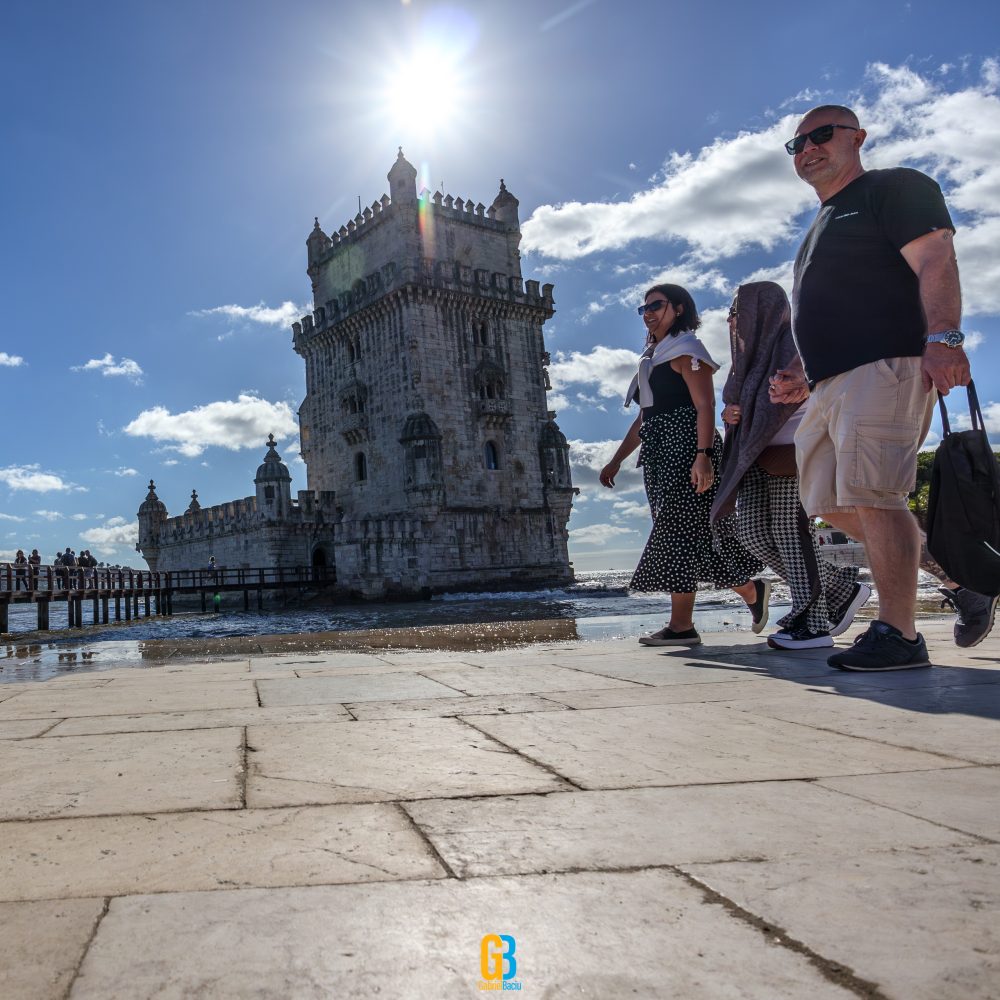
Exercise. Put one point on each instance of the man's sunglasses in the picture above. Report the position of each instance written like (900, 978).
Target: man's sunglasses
(652, 307)
(817, 137)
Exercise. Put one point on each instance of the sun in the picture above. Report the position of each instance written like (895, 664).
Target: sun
(426, 91)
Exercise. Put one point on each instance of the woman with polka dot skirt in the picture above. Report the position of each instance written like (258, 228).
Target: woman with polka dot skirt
(680, 451)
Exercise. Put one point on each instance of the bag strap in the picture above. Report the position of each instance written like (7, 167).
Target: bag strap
(975, 413)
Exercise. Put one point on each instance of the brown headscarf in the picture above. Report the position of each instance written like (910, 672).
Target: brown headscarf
(761, 343)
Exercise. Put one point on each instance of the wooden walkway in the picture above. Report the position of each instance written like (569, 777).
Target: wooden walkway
(118, 594)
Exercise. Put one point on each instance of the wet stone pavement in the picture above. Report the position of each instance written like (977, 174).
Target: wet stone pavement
(725, 821)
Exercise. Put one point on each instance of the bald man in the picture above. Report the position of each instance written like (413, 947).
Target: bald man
(876, 310)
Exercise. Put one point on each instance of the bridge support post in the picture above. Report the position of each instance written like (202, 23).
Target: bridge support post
(43, 614)
(246, 600)
(145, 598)
(4, 616)
(118, 607)
(104, 610)
(76, 612)
(128, 607)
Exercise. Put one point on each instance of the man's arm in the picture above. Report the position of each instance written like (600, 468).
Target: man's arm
(932, 259)
(788, 385)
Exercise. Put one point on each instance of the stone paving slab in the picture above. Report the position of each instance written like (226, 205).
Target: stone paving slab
(644, 934)
(395, 686)
(222, 719)
(518, 678)
(717, 689)
(659, 671)
(132, 699)
(923, 924)
(959, 722)
(42, 944)
(24, 729)
(510, 704)
(965, 798)
(690, 744)
(384, 760)
(175, 852)
(327, 658)
(665, 826)
(127, 773)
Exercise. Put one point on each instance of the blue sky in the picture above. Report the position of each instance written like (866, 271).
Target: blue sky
(163, 163)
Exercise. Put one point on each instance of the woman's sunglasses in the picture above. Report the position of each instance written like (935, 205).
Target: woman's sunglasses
(652, 307)
(817, 137)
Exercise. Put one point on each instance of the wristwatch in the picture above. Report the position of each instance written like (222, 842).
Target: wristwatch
(709, 451)
(950, 338)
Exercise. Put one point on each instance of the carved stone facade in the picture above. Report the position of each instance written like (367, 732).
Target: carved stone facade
(433, 461)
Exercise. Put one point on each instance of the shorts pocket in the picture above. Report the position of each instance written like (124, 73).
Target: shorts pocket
(885, 457)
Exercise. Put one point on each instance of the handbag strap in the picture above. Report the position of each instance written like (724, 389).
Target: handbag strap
(975, 413)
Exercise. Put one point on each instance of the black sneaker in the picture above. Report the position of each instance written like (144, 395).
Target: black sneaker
(758, 610)
(841, 619)
(882, 647)
(799, 638)
(668, 637)
(975, 615)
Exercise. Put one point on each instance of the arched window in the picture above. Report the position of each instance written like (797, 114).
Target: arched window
(491, 456)
(484, 335)
(360, 467)
(351, 353)
(268, 492)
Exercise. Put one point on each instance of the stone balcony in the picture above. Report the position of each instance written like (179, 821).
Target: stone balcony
(494, 412)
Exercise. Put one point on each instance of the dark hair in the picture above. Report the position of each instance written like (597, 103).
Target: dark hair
(680, 299)
(837, 109)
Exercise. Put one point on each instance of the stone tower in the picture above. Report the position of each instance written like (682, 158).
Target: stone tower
(152, 515)
(425, 410)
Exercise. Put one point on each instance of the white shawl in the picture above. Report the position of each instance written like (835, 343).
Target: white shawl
(666, 350)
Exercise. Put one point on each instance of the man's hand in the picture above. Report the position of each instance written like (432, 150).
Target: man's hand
(944, 367)
(788, 385)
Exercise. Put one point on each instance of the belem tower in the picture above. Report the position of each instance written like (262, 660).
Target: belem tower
(433, 462)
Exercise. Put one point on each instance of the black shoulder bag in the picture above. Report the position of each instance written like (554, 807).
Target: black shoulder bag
(963, 505)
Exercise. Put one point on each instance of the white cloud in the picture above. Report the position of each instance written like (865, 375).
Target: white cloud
(609, 369)
(107, 366)
(113, 534)
(171, 461)
(10, 517)
(243, 423)
(740, 193)
(598, 534)
(78, 517)
(49, 515)
(30, 477)
(733, 195)
(10, 360)
(283, 315)
(631, 508)
(124, 471)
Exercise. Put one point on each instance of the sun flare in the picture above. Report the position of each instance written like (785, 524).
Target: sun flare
(425, 92)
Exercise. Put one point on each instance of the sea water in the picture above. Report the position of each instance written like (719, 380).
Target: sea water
(599, 604)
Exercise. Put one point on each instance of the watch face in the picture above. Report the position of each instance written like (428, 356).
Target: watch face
(954, 339)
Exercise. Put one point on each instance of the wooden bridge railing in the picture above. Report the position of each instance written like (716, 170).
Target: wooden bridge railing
(70, 579)
(44, 585)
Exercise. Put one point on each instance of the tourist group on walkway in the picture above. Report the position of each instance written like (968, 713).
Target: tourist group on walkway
(26, 568)
(827, 403)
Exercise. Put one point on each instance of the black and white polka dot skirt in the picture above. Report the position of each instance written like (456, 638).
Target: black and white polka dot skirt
(684, 549)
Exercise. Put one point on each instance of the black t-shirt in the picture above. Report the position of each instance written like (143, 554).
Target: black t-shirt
(856, 300)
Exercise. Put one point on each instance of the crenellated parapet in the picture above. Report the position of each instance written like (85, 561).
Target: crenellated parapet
(435, 276)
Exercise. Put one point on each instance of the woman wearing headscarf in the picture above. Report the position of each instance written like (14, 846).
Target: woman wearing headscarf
(760, 481)
(680, 453)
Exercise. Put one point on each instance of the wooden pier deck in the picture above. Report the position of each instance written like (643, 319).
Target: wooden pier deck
(118, 594)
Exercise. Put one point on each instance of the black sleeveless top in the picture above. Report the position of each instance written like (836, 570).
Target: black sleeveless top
(670, 391)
